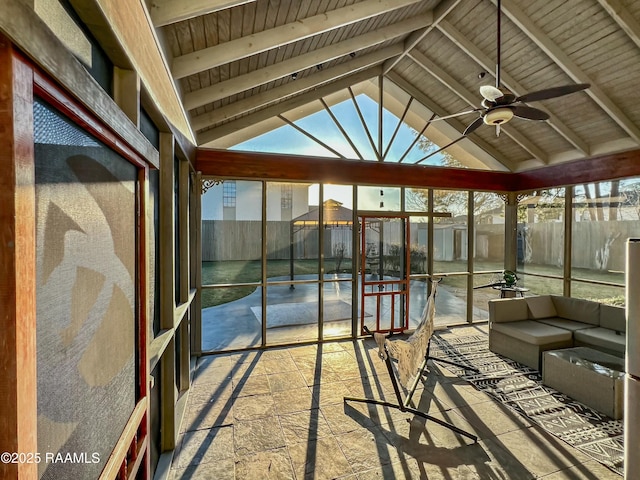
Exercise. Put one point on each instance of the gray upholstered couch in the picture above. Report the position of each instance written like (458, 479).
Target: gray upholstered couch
(522, 328)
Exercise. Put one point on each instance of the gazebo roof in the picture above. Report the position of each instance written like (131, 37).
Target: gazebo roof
(334, 214)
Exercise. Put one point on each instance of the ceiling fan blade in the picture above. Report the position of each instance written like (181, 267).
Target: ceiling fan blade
(490, 93)
(552, 92)
(529, 113)
(473, 127)
(453, 115)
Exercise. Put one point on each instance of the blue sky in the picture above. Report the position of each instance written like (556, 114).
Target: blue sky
(288, 140)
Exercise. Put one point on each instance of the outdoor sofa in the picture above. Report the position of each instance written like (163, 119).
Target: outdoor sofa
(523, 328)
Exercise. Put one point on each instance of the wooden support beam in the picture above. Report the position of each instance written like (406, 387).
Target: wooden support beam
(246, 46)
(439, 13)
(165, 12)
(594, 169)
(126, 93)
(18, 359)
(268, 74)
(289, 89)
(517, 16)
(246, 165)
(294, 102)
(225, 163)
(623, 18)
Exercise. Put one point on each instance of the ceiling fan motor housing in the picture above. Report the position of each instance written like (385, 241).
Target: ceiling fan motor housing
(498, 116)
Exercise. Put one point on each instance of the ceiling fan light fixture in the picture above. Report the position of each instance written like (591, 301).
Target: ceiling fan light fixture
(498, 116)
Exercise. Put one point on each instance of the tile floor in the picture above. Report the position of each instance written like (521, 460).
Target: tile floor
(279, 414)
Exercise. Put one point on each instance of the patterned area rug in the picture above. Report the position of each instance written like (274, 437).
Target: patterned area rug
(521, 388)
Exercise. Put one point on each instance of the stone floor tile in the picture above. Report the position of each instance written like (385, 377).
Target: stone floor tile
(303, 351)
(296, 400)
(410, 469)
(222, 469)
(366, 448)
(281, 382)
(254, 385)
(212, 374)
(458, 393)
(204, 446)
(252, 407)
(278, 365)
(332, 347)
(210, 393)
(207, 361)
(303, 426)
(348, 417)
(275, 353)
(244, 370)
(539, 452)
(313, 376)
(208, 415)
(585, 471)
(270, 464)
(490, 419)
(258, 435)
(320, 459)
(307, 361)
(328, 393)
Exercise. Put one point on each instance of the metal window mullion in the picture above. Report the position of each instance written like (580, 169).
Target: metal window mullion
(341, 128)
(397, 129)
(364, 124)
(568, 240)
(417, 139)
(321, 262)
(264, 264)
(471, 242)
(308, 135)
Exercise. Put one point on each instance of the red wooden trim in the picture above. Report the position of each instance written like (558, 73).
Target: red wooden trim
(59, 99)
(143, 310)
(595, 169)
(18, 361)
(224, 163)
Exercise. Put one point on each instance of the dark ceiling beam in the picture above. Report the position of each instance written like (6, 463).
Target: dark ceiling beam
(224, 163)
(596, 169)
(295, 168)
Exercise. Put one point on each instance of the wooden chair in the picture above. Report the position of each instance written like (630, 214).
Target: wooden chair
(411, 356)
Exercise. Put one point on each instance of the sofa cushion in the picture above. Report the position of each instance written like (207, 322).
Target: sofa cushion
(603, 338)
(566, 324)
(577, 309)
(541, 306)
(613, 318)
(508, 309)
(533, 332)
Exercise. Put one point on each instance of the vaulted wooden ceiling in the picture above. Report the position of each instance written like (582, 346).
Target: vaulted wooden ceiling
(233, 62)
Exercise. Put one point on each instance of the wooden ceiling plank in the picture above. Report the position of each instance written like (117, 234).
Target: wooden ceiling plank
(292, 88)
(253, 79)
(472, 99)
(414, 39)
(268, 39)
(166, 12)
(517, 16)
(279, 108)
(623, 18)
(487, 64)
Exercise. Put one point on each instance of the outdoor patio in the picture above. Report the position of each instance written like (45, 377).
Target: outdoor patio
(292, 314)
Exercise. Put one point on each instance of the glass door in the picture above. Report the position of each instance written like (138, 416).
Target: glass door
(384, 273)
